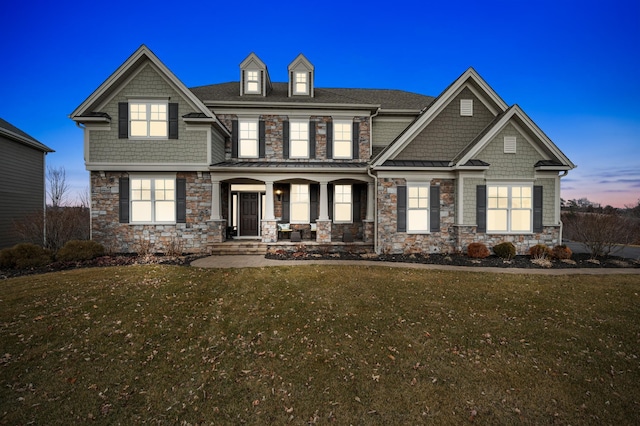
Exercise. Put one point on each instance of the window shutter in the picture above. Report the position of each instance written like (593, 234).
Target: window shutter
(123, 120)
(401, 208)
(234, 139)
(314, 197)
(481, 208)
(123, 208)
(285, 139)
(434, 208)
(330, 198)
(173, 121)
(329, 139)
(355, 154)
(312, 139)
(242, 83)
(537, 209)
(261, 139)
(356, 194)
(181, 200)
(286, 194)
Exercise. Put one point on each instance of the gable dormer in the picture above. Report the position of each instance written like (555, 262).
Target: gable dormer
(254, 77)
(301, 74)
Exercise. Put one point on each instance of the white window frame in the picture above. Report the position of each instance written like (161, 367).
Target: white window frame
(154, 115)
(505, 199)
(466, 107)
(149, 195)
(342, 198)
(248, 138)
(418, 194)
(298, 138)
(299, 196)
(342, 141)
(304, 81)
(249, 79)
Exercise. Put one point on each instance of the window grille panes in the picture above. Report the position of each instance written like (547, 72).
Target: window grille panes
(342, 132)
(342, 201)
(248, 139)
(299, 139)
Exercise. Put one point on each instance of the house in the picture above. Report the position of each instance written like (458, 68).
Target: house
(257, 159)
(22, 180)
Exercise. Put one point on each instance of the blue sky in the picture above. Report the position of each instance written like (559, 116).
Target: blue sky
(572, 66)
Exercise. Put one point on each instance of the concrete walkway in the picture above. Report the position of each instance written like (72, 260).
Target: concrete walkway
(259, 261)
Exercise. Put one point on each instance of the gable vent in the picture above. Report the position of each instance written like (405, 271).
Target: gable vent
(509, 144)
(466, 107)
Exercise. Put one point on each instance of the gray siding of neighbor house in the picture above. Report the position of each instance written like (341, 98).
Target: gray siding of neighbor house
(190, 147)
(21, 186)
(448, 133)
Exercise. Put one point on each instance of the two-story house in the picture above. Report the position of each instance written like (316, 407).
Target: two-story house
(400, 171)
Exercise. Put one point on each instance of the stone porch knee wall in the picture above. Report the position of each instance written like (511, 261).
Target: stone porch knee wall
(194, 236)
(550, 236)
(393, 242)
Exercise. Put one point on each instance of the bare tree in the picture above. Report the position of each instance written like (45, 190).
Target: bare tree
(57, 186)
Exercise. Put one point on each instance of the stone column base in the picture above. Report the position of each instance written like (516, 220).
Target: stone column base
(269, 231)
(217, 232)
(367, 231)
(323, 231)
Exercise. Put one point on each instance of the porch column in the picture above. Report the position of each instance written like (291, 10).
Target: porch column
(268, 213)
(324, 202)
(215, 200)
(323, 224)
(370, 200)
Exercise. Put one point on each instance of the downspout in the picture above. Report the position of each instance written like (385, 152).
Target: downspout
(561, 224)
(375, 184)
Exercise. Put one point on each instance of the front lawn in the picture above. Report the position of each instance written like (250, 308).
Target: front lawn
(318, 344)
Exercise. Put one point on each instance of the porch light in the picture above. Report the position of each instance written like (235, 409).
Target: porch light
(279, 194)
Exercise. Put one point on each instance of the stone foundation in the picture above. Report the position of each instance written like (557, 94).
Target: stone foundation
(550, 236)
(323, 231)
(269, 231)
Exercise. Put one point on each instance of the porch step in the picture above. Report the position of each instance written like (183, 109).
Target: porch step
(239, 248)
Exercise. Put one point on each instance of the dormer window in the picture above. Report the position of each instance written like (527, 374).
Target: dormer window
(252, 82)
(254, 77)
(301, 85)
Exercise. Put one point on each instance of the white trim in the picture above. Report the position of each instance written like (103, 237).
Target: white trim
(293, 108)
(255, 121)
(291, 140)
(152, 177)
(510, 185)
(147, 167)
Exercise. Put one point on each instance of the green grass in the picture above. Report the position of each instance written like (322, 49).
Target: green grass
(312, 344)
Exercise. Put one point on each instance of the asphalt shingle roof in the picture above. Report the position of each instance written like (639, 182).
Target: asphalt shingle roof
(10, 130)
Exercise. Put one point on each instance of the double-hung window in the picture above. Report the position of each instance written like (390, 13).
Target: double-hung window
(342, 204)
(148, 119)
(153, 199)
(299, 139)
(342, 133)
(300, 86)
(299, 203)
(509, 208)
(418, 207)
(252, 82)
(248, 139)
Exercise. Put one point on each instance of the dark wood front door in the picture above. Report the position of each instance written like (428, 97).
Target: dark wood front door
(248, 214)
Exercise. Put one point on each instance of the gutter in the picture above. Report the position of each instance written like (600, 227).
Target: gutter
(375, 184)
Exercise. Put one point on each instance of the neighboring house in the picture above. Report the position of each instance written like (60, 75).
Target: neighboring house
(399, 171)
(22, 180)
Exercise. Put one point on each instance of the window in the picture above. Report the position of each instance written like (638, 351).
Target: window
(299, 204)
(418, 208)
(148, 120)
(153, 200)
(248, 139)
(299, 139)
(509, 208)
(342, 139)
(252, 82)
(342, 203)
(509, 144)
(466, 107)
(300, 83)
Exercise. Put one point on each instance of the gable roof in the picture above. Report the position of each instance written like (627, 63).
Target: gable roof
(10, 131)
(85, 111)
(471, 79)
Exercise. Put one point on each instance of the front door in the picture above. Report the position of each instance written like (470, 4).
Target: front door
(248, 214)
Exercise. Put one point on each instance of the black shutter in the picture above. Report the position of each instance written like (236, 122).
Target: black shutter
(285, 139)
(123, 208)
(123, 120)
(434, 208)
(181, 200)
(261, 139)
(312, 139)
(330, 199)
(356, 193)
(329, 139)
(285, 204)
(314, 197)
(481, 208)
(234, 139)
(537, 209)
(401, 208)
(356, 141)
(173, 121)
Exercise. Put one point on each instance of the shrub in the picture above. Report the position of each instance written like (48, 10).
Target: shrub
(602, 234)
(478, 251)
(505, 250)
(77, 250)
(540, 251)
(562, 252)
(25, 255)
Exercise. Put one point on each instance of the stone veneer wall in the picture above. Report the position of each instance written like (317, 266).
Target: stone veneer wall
(194, 236)
(550, 236)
